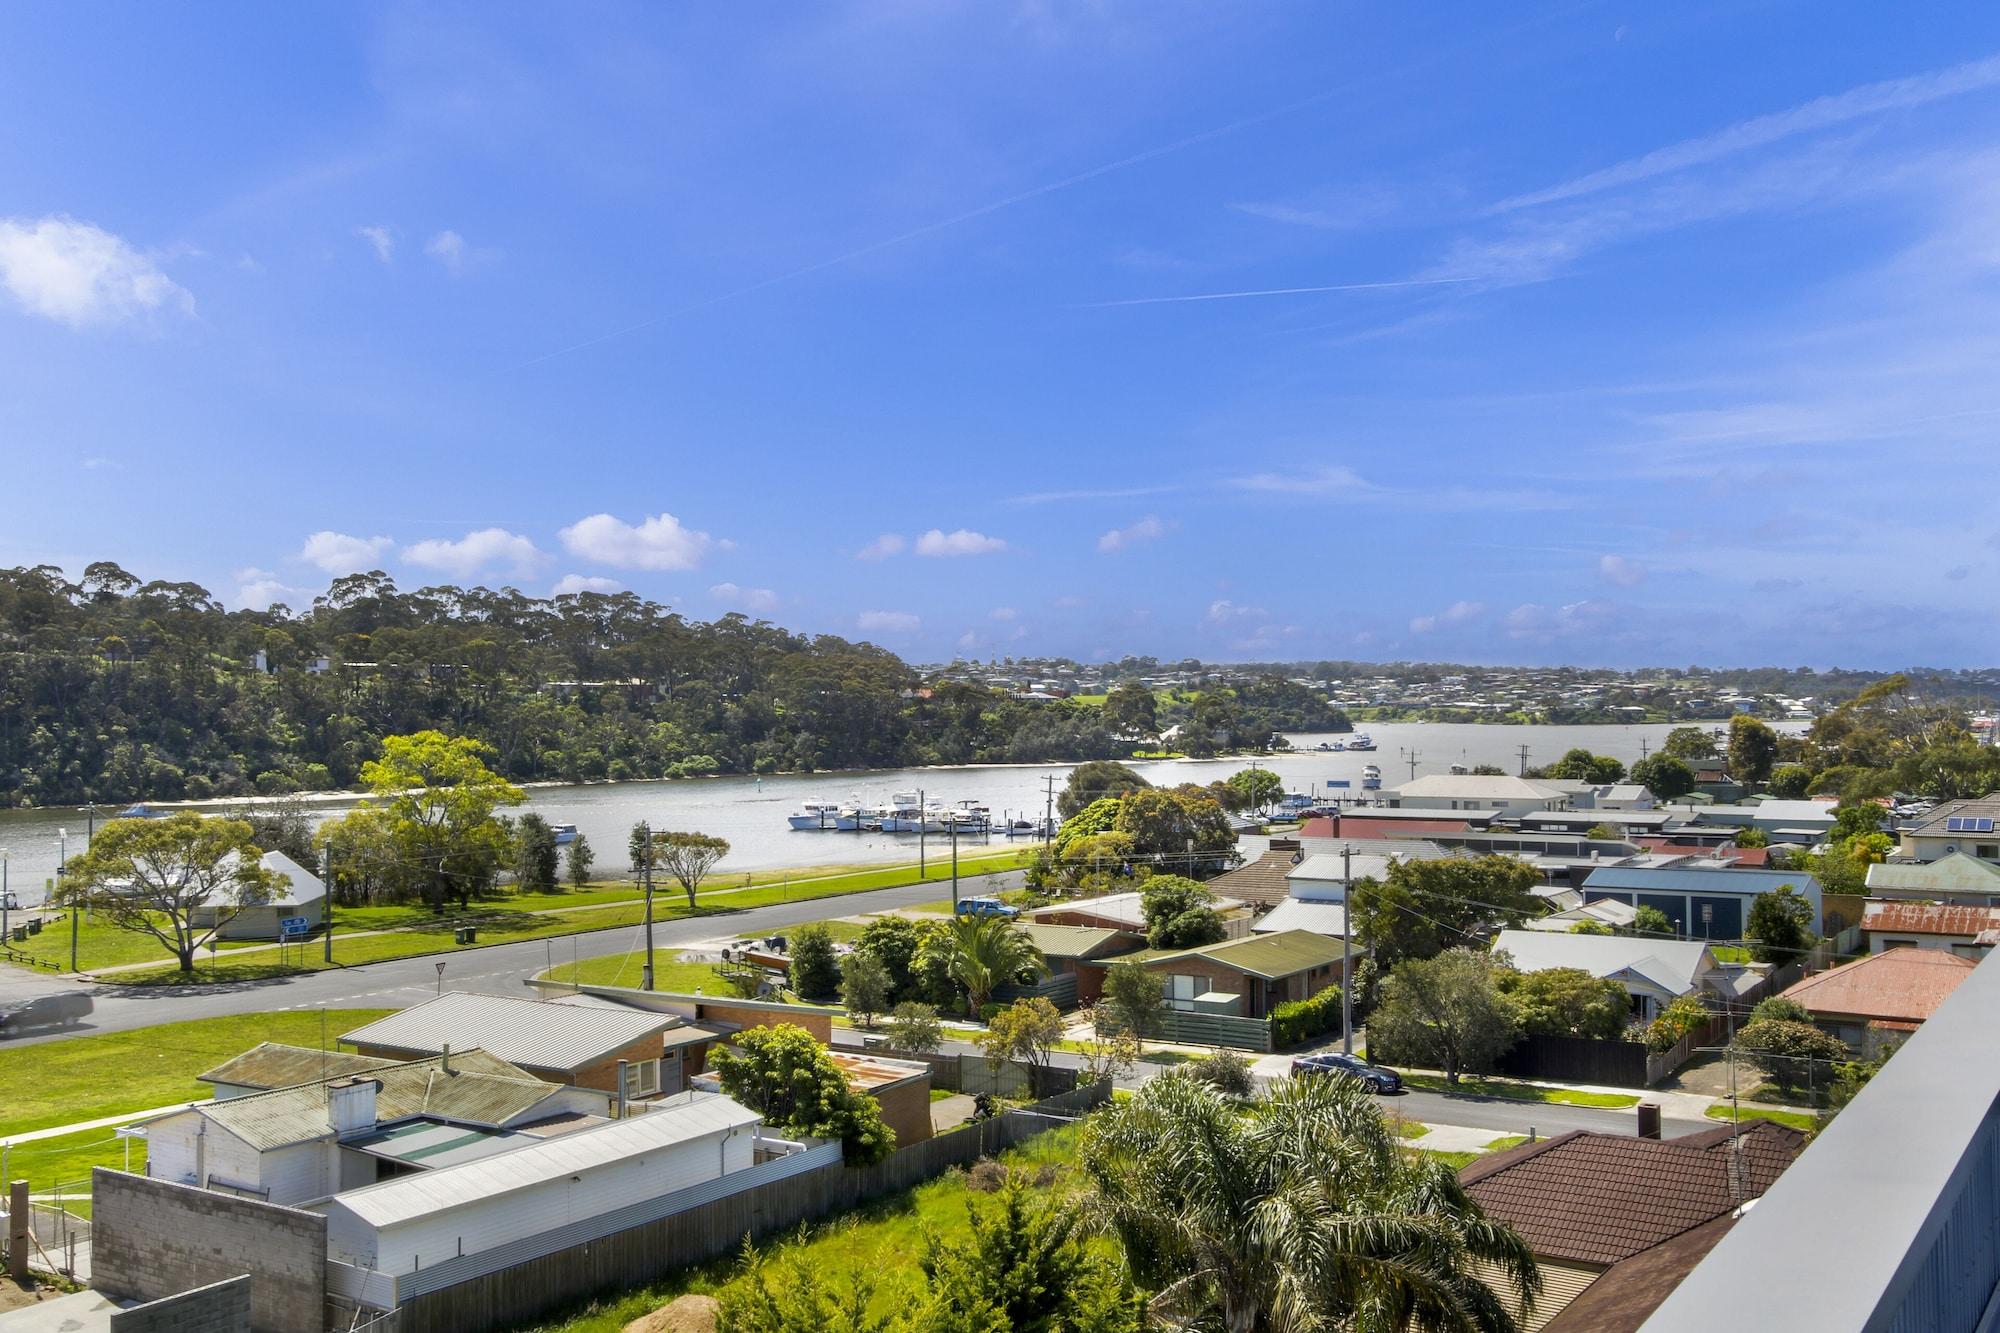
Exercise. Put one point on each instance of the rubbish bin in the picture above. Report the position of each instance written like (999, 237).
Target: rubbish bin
(20, 934)
(34, 925)
(468, 934)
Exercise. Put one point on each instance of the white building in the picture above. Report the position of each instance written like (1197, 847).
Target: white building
(299, 897)
(1653, 972)
(1491, 792)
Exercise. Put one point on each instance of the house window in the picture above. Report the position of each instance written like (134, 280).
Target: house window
(1987, 851)
(1181, 990)
(642, 1078)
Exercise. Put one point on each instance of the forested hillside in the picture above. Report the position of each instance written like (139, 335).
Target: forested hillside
(114, 689)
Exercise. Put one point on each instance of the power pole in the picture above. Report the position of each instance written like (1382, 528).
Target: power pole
(646, 875)
(1645, 744)
(1411, 757)
(923, 814)
(954, 867)
(326, 879)
(1524, 761)
(1347, 949)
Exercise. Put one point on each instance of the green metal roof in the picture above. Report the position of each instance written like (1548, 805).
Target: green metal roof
(1280, 954)
(1077, 941)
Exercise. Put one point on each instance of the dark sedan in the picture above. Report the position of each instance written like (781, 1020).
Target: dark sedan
(1378, 1079)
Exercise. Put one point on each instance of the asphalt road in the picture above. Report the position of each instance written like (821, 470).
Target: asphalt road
(497, 969)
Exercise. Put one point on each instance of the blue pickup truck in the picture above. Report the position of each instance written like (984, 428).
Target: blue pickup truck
(986, 907)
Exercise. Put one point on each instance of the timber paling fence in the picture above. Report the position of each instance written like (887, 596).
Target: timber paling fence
(524, 1290)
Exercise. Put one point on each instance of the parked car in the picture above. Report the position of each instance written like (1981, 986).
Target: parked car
(985, 907)
(45, 1011)
(1377, 1078)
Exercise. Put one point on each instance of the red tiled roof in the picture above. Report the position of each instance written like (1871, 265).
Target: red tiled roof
(1929, 918)
(1905, 984)
(1628, 1292)
(1260, 881)
(1586, 1197)
(1747, 857)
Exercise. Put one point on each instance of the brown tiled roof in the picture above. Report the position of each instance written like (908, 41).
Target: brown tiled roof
(1629, 1291)
(1261, 881)
(1594, 1198)
(1905, 984)
(1938, 822)
(1906, 918)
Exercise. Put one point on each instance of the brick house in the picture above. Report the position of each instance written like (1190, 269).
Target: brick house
(1882, 998)
(1249, 977)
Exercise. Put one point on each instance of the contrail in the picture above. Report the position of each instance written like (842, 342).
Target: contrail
(1275, 291)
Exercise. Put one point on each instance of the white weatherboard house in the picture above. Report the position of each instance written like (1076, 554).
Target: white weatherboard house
(1653, 972)
(298, 897)
(1497, 793)
(417, 1222)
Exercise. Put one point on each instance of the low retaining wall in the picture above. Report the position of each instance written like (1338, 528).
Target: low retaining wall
(220, 1307)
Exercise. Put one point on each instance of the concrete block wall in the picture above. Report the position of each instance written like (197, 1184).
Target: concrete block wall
(219, 1307)
(151, 1239)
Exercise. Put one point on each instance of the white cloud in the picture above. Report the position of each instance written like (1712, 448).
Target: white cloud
(1531, 620)
(448, 248)
(575, 583)
(888, 622)
(658, 542)
(81, 275)
(476, 551)
(754, 599)
(1455, 614)
(1314, 481)
(1004, 613)
(882, 547)
(382, 238)
(1621, 570)
(257, 589)
(1146, 529)
(968, 641)
(338, 553)
(1223, 612)
(964, 541)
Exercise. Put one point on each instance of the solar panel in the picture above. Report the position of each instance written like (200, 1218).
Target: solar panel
(1954, 825)
(1968, 824)
(1983, 824)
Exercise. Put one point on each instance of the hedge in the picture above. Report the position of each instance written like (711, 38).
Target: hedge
(1297, 1021)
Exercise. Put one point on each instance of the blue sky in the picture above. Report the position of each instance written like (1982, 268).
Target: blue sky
(1599, 333)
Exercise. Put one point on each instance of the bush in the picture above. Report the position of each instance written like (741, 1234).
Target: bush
(1781, 1008)
(1788, 1052)
(815, 972)
(1298, 1021)
(1226, 1071)
(1681, 1017)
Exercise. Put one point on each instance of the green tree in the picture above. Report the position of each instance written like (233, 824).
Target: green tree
(815, 971)
(1791, 781)
(988, 952)
(577, 860)
(1256, 788)
(1134, 1000)
(1422, 908)
(1130, 709)
(1300, 1211)
(1780, 1007)
(1580, 765)
(1591, 928)
(1752, 748)
(1667, 776)
(281, 826)
(801, 1300)
(1752, 837)
(864, 986)
(688, 857)
(1024, 1267)
(1099, 780)
(1445, 1013)
(1652, 922)
(892, 941)
(1180, 913)
(1567, 1002)
(1026, 1030)
(159, 877)
(787, 1077)
(1792, 1054)
(1173, 825)
(932, 977)
(442, 801)
(915, 1028)
(1678, 1019)
(1780, 925)
(1100, 816)
(534, 854)
(1689, 743)
(1604, 833)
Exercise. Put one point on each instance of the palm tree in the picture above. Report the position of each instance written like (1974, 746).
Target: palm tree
(1303, 1214)
(987, 952)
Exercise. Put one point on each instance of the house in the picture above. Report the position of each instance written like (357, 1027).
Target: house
(1654, 972)
(1969, 932)
(1248, 978)
(1883, 998)
(902, 1088)
(298, 898)
(1616, 1222)
(1381, 821)
(291, 1144)
(576, 1040)
(1608, 912)
(1499, 793)
(1709, 901)
(1082, 952)
(1260, 883)
(1621, 796)
(272, 1064)
(1800, 822)
(407, 1225)
(1955, 877)
(1112, 911)
(1326, 917)
(1956, 827)
(1630, 823)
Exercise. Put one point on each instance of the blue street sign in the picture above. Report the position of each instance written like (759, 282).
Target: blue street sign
(294, 925)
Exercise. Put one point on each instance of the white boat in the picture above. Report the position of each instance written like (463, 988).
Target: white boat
(1371, 778)
(903, 814)
(1361, 742)
(565, 834)
(815, 815)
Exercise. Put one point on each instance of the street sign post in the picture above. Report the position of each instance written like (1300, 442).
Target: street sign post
(294, 925)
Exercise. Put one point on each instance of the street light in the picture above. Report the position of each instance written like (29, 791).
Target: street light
(6, 899)
(62, 865)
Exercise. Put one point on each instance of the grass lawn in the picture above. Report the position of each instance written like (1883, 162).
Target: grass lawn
(63, 1164)
(1792, 1119)
(878, 1242)
(87, 1078)
(1520, 1092)
(1509, 1141)
(1730, 953)
(100, 945)
(1457, 1161)
(671, 972)
(1408, 1129)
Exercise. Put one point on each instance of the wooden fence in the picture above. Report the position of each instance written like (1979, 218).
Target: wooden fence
(1617, 1064)
(521, 1293)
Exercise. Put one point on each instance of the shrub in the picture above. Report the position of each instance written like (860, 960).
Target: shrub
(1226, 1071)
(1779, 1007)
(1681, 1017)
(1297, 1021)
(815, 972)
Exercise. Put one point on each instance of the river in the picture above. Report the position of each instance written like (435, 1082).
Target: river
(750, 812)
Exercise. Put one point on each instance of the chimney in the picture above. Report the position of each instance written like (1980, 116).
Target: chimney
(1649, 1120)
(446, 1058)
(621, 1090)
(350, 1106)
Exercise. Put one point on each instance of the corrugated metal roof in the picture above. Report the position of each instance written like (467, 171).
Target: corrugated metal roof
(1676, 966)
(434, 1146)
(1298, 914)
(534, 1033)
(1268, 956)
(1686, 879)
(1076, 941)
(475, 1092)
(273, 1064)
(1902, 984)
(410, 1197)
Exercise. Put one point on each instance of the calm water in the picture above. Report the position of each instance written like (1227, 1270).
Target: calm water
(750, 812)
